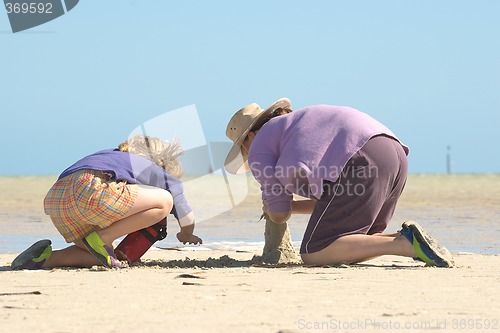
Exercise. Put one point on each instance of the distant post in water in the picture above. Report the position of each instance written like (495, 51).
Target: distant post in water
(448, 160)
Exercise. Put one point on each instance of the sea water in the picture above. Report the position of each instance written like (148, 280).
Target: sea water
(461, 211)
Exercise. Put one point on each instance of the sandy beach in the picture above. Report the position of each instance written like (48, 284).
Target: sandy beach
(83, 77)
(181, 291)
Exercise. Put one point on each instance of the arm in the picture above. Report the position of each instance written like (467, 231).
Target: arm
(279, 218)
(151, 174)
(276, 217)
(182, 211)
(276, 200)
(298, 207)
(303, 206)
(185, 235)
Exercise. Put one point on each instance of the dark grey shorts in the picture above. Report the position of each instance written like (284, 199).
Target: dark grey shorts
(364, 197)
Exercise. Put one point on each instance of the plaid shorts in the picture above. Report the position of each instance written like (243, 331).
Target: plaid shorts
(87, 201)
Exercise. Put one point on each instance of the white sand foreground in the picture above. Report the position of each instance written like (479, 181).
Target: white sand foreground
(386, 294)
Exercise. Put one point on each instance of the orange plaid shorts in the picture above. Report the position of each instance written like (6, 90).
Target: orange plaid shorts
(87, 201)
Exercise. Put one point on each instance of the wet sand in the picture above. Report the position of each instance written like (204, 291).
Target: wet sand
(461, 211)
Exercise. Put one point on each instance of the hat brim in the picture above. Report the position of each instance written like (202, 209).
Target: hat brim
(235, 163)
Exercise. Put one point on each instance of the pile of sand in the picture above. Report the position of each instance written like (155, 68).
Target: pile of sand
(278, 247)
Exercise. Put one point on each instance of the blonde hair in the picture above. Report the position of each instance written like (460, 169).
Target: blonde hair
(163, 153)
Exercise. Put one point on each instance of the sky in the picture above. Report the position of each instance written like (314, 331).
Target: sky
(429, 70)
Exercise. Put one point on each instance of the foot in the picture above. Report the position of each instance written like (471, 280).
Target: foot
(426, 248)
(34, 257)
(102, 252)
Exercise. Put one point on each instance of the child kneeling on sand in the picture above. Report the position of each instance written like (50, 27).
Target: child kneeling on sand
(110, 194)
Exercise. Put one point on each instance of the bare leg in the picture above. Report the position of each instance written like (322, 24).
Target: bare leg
(356, 248)
(152, 205)
(387, 235)
(72, 256)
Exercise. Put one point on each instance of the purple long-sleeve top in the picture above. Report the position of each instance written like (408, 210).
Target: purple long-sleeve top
(295, 152)
(135, 169)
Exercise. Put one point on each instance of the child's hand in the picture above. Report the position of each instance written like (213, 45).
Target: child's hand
(188, 238)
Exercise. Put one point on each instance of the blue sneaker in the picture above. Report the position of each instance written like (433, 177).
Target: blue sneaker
(34, 256)
(427, 249)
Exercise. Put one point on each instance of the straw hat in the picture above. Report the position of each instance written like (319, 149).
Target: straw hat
(237, 130)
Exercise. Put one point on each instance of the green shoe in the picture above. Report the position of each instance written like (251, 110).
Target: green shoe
(33, 257)
(426, 248)
(101, 251)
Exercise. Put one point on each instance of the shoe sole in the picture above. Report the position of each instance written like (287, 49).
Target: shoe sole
(30, 253)
(423, 238)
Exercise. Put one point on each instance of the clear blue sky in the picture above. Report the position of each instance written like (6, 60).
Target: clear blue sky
(430, 70)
